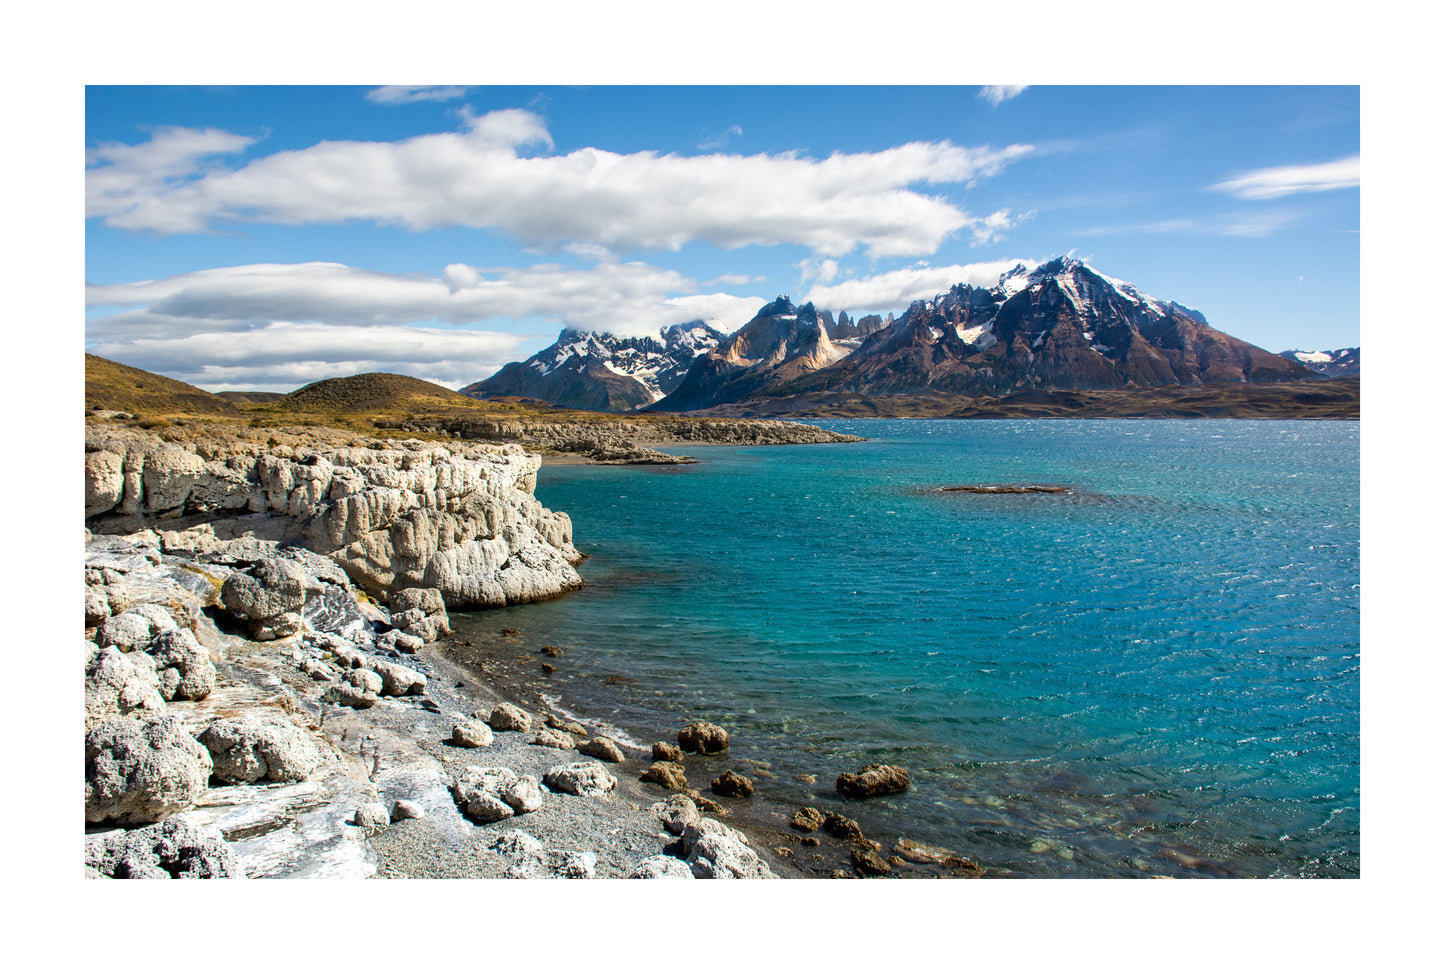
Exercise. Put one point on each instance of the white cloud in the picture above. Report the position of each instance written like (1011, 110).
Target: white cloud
(283, 356)
(996, 94)
(823, 270)
(1233, 225)
(118, 174)
(394, 94)
(270, 324)
(896, 290)
(735, 279)
(1277, 182)
(720, 140)
(480, 178)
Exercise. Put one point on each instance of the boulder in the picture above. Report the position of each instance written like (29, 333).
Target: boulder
(677, 812)
(669, 776)
(807, 819)
(260, 749)
(482, 793)
(406, 810)
(603, 749)
(182, 664)
(715, 851)
(104, 482)
(142, 772)
(371, 817)
(873, 780)
(118, 683)
(414, 622)
(271, 596)
(566, 726)
(398, 680)
(555, 739)
(472, 734)
(841, 826)
(507, 716)
(429, 601)
(172, 848)
(667, 752)
(134, 628)
(400, 641)
(660, 866)
(583, 779)
(524, 796)
(868, 863)
(730, 784)
(703, 738)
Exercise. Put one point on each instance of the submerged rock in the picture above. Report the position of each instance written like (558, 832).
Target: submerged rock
(703, 738)
(873, 780)
(730, 784)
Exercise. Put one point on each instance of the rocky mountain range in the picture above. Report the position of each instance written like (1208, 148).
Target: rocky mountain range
(1339, 363)
(602, 372)
(1061, 326)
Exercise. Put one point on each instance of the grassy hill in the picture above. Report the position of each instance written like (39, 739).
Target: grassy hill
(115, 387)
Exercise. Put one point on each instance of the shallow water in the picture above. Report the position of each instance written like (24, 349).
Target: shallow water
(1157, 673)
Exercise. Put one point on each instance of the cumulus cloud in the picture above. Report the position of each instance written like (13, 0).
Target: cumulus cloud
(996, 94)
(119, 174)
(1276, 182)
(288, 320)
(896, 290)
(483, 178)
(396, 94)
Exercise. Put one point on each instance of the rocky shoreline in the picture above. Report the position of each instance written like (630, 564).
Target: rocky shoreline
(273, 687)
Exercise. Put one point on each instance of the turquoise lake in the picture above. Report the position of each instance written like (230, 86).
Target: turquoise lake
(1157, 674)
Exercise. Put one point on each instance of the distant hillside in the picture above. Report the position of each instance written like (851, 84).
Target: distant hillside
(112, 386)
(373, 392)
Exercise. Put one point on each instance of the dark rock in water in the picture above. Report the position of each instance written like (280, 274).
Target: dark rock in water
(730, 784)
(1011, 489)
(918, 853)
(806, 818)
(841, 826)
(873, 780)
(702, 738)
(552, 651)
(548, 668)
(666, 751)
(869, 864)
(667, 775)
(172, 848)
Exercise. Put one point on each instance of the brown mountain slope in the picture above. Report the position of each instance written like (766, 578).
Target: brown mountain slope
(115, 387)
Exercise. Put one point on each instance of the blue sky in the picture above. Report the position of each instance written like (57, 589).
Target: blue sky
(265, 237)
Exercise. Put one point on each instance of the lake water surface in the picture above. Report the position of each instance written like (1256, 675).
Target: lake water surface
(1156, 674)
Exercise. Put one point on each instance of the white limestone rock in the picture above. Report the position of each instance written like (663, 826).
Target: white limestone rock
(583, 779)
(173, 848)
(661, 866)
(104, 481)
(480, 793)
(255, 749)
(182, 664)
(141, 772)
(398, 680)
(134, 628)
(118, 683)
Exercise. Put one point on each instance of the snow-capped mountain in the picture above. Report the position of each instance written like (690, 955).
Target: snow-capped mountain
(1339, 363)
(1061, 325)
(780, 344)
(599, 371)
